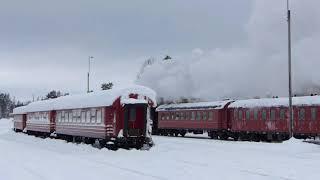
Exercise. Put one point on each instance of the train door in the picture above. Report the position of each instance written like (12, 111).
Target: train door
(24, 121)
(52, 118)
(135, 119)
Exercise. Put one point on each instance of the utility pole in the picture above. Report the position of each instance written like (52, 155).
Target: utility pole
(289, 70)
(88, 82)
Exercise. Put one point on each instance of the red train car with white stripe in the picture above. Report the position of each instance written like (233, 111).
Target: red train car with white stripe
(117, 117)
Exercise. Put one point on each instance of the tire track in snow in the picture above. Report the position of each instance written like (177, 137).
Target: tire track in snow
(265, 175)
(128, 169)
(52, 149)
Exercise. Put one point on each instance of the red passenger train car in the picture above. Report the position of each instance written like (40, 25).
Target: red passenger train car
(268, 118)
(265, 119)
(175, 119)
(117, 117)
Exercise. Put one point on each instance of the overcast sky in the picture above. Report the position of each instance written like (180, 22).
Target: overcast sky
(45, 45)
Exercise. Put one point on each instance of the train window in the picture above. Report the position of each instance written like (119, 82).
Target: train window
(62, 116)
(45, 115)
(177, 116)
(93, 115)
(282, 114)
(205, 116)
(235, 114)
(99, 116)
(182, 115)
(66, 116)
(70, 117)
(187, 115)
(78, 115)
(168, 116)
(73, 116)
(172, 115)
(210, 115)
(264, 115)
(59, 116)
(36, 116)
(255, 114)
(83, 116)
(132, 114)
(301, 114)
(272, 115)
(198, 115)
(88, 118)
(240, 115)
(40, 116)
(193, 115)
(247, 115)
(313, 113)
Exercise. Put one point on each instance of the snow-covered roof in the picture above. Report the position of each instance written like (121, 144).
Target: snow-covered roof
(94, 99)
(276, 102)
(199, 105)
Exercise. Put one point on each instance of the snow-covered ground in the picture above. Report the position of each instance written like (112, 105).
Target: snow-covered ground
(30, 158)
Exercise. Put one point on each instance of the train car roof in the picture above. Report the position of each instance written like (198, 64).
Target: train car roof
(198, 105)
(88, 100)
(276, 102)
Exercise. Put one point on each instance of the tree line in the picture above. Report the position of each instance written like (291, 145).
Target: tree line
(7, 104)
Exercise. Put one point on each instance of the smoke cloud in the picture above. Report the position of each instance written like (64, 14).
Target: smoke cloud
(257, 67)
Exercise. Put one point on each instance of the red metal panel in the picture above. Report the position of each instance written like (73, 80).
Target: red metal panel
(40, 126)
(82, 130)
(306, 125)
(259, 124)
(217, 122)
(19, 121)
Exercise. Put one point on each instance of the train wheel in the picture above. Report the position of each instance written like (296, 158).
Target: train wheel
(255, 138)
(235, 137)
(111, 146)
(223, 137)
(213, 135)
(280, 137)
(182, 134)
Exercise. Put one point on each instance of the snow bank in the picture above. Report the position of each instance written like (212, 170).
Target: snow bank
(200, 105)
(31, 158)
(277, 102)
(95, 99)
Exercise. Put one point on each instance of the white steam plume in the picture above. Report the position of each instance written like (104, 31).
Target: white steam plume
(258, 68)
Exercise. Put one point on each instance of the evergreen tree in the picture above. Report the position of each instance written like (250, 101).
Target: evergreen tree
(54, 94)
(6, 105)
(107, 86)
(167, 58)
